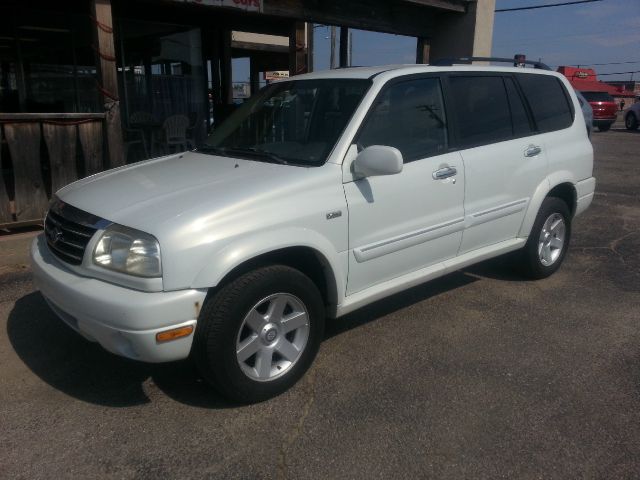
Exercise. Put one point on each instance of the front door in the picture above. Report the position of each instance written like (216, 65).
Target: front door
(404, 222)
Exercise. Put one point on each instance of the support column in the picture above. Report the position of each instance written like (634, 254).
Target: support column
(422, 50)
(297, 54)
(344, 47)
(254, 75)
(108, 79)
(226, 68)
(464, 34)
(310, 32)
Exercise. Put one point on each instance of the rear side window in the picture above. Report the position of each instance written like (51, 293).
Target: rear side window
(482, 110)
(548, 101)
(409, 116)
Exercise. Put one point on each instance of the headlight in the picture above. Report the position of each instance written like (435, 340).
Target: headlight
(128, 251)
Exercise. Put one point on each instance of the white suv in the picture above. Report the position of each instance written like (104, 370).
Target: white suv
(321, 194)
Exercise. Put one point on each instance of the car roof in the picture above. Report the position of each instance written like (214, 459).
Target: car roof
(399, 70)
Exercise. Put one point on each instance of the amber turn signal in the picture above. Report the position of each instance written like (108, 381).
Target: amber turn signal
(174, 334)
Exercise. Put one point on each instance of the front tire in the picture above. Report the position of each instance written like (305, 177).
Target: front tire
(259, 334)
(548, 241)
(631, 121)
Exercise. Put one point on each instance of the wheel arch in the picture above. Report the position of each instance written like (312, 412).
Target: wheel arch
(306, 256)
(560, 185)
(567, 192)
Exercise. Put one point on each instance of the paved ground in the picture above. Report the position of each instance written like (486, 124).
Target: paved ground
(478, 375)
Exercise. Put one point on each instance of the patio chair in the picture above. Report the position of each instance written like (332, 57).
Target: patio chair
(175, 133)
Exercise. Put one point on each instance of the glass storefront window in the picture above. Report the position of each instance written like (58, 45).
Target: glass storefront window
(46, 62)
(162, 86)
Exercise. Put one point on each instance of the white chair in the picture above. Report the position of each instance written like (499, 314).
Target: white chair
(140, 132)
(175, 133)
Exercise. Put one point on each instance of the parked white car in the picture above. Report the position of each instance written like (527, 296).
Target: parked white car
(321, 194)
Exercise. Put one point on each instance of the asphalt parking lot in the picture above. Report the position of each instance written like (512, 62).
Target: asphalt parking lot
(477, 375)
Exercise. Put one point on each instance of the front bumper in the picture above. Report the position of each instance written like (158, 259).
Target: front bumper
(122, 320)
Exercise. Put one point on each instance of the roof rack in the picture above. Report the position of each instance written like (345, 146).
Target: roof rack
(444, 62)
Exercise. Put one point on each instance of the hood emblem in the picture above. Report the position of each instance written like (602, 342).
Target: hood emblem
(55, 235)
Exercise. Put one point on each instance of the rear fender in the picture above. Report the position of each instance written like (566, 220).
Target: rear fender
(541, 192)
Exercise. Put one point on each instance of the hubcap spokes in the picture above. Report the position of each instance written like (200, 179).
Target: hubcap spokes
(552, 238)
(272, 337)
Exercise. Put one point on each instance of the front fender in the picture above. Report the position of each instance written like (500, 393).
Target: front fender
(222, 262)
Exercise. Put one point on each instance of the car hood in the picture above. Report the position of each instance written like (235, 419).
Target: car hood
(148, 194)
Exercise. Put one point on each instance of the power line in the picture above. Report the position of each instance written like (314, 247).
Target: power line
(533, 7)
(601, 64)
(616, 73)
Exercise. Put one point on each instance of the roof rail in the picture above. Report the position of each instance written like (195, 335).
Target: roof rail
(444, 62)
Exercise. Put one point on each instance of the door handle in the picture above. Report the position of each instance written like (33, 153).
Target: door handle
(444, 172)
(532, 151)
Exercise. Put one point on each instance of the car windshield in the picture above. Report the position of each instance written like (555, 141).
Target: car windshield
(294, 122)
(597, 97)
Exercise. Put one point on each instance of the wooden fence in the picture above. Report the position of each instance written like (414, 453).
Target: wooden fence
(41, 153)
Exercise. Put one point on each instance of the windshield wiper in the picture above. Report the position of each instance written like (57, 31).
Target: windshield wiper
(210, 149)
(250, 152)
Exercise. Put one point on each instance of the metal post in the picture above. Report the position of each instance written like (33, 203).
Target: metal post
(344, 46)
(332, 58)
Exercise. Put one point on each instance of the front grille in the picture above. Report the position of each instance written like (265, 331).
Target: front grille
(68, 231)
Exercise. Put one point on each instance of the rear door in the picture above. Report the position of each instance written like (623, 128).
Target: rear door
(504, 158)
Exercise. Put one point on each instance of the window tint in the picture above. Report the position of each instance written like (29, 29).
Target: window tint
(482, 109)
(409, 116)
(519, 117)
(548, 101)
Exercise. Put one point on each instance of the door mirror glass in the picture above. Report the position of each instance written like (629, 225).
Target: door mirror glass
(378, 160)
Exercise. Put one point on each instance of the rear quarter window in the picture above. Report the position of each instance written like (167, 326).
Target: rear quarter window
(548, 100)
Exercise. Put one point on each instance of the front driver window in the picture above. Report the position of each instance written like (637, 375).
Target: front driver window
(409, 116)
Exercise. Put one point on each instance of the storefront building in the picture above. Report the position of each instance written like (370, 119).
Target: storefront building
(87, 85)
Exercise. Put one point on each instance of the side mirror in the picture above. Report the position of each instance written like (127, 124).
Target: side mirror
(378, 160)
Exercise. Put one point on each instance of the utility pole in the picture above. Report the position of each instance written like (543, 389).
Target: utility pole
(332, 59)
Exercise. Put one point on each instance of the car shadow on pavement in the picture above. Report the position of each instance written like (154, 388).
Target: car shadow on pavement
(84, 370)
(398, 301)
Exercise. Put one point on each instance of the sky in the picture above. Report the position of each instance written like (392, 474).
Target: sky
(600, 32)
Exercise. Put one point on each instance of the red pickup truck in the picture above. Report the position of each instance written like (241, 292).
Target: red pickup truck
(604, 109)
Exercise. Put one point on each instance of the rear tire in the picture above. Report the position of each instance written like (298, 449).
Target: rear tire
(631, 121)
(548, 241)
(259, 334)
